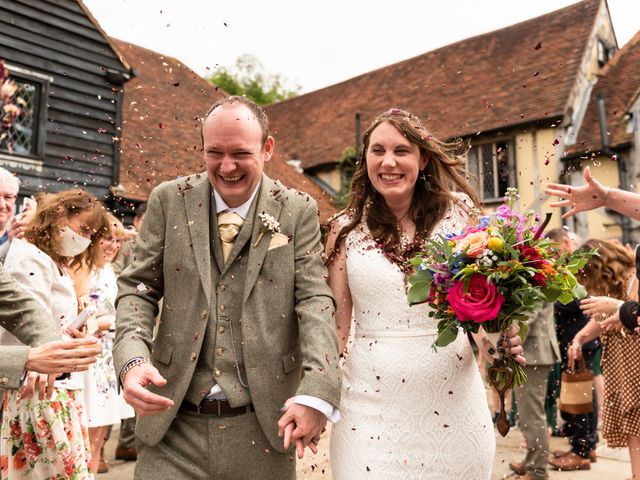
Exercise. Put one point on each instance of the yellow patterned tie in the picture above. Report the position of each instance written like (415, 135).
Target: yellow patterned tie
(228, 225)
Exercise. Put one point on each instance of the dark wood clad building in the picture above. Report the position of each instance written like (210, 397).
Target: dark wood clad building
(70, 82)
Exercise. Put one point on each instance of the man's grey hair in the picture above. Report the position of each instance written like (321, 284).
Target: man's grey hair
(9, 181)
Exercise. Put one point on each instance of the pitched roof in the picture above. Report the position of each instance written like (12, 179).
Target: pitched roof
(108, 39)
(160, 137)
(619, 86)
(519, 74)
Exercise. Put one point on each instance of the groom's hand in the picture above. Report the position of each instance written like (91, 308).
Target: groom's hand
(142, 400)
(303, 425)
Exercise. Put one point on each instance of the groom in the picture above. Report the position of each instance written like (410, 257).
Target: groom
(245, 352)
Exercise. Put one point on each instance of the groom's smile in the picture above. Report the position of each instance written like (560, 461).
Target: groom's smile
(234, 152)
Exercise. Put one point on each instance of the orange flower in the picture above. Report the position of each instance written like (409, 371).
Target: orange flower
(19, 459)
(476, 243)
(68, 462)
(56, 406)
(548, 270)
(4, 464)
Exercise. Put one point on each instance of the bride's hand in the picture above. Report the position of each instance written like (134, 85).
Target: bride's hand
(513, 345)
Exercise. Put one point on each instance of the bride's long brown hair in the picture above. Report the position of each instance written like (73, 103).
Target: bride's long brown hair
(445, 172)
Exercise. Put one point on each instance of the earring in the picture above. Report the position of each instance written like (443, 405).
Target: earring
(425, 183)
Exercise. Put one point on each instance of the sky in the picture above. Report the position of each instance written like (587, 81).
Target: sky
(314, 44)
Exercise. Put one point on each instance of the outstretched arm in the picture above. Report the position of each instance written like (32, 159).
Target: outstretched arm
(594, 194)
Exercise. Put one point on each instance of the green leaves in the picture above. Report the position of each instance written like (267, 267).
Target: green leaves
(579, 291)
(447, 333)
(420, 285)
(248, 77)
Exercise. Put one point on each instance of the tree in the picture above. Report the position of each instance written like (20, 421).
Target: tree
(347, 166)
(248, 77)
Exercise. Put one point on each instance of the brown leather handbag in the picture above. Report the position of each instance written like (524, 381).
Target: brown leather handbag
(576, 390)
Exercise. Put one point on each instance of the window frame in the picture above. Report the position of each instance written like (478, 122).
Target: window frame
(39, 114)
(604, 53)
(478, 183)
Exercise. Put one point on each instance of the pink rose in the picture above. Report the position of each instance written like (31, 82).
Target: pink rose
(476, 243)
(480, 304)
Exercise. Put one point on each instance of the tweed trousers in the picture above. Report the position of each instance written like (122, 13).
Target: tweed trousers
(532, 420)
(207, 447)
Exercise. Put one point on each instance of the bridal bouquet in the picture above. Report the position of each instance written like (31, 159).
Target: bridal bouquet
(492, 275)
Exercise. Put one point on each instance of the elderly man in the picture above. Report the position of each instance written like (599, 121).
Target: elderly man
(245, 350)
(9, 186)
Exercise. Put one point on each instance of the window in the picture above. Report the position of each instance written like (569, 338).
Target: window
(491, 166)
(23, 133)
(604, 53)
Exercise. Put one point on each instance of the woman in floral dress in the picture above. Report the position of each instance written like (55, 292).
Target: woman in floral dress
(45, 438)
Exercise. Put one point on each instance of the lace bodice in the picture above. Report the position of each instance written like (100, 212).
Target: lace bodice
(378, 286)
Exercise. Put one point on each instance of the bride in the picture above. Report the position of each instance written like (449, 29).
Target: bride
(407, 411)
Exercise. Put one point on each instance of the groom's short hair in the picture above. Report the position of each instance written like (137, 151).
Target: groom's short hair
(257, 111)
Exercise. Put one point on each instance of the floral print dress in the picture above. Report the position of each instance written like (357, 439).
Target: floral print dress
(44, 439)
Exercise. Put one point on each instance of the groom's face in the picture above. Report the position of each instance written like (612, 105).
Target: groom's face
(234, 153)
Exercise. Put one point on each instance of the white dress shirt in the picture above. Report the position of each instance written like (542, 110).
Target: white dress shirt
(332, 413)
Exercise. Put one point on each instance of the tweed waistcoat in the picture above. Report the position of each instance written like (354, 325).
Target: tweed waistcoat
(221, 357)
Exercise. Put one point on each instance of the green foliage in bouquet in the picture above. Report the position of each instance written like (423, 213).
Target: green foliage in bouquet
(493, 274)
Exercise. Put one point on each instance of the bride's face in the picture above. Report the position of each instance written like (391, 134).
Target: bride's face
(393, 163)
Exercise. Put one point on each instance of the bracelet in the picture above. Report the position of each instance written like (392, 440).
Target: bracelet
(132, 363)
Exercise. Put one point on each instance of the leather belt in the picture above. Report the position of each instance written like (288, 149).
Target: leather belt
(219, 408)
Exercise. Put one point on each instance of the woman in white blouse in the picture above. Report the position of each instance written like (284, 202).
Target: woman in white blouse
(47, 437)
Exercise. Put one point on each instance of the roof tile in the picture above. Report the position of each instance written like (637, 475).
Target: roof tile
(518, 74)
(161, 127)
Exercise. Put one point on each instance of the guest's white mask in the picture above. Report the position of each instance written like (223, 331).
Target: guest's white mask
(72, 243)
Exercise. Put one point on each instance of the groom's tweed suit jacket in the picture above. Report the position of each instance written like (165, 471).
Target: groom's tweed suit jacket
(287, 327)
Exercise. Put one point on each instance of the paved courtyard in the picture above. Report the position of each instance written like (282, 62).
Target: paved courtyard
(611, 464)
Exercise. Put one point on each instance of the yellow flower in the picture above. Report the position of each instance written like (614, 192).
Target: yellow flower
(495, 244)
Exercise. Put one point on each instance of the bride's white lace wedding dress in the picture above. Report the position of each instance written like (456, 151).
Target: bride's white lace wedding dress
(407, 411)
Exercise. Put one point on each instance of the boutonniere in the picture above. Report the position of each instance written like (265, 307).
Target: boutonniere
(269, 224)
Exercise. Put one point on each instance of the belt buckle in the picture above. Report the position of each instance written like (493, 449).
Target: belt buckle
(212, 400)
